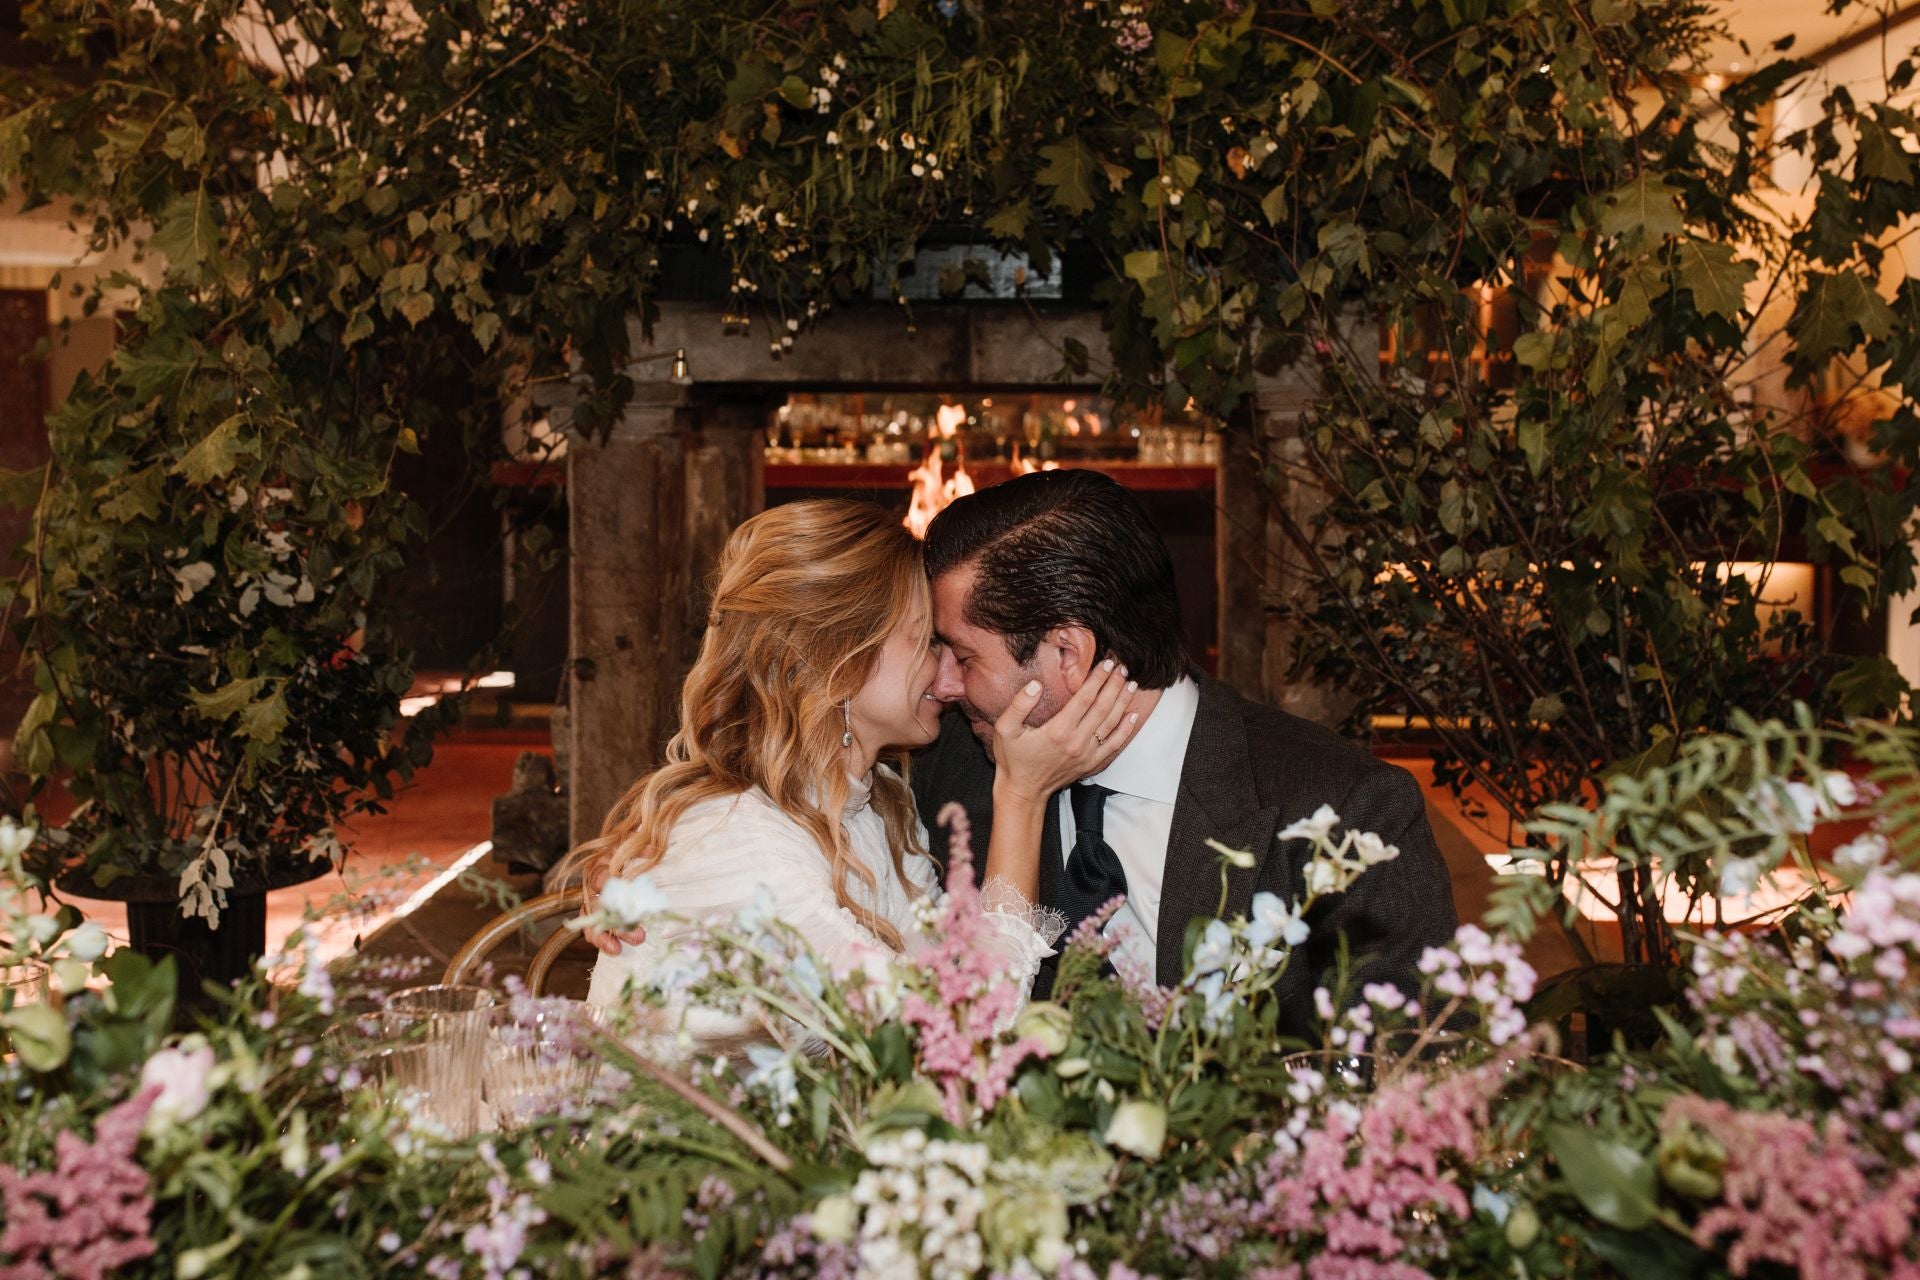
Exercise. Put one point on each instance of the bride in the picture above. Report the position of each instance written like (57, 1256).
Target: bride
(785, 779)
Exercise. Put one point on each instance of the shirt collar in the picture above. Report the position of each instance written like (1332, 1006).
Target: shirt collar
(1149, 766)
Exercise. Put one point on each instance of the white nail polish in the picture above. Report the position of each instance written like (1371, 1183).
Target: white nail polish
(1107, 665)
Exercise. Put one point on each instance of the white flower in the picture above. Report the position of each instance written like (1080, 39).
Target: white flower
(182, 1076)
(40, 930)
(1138, 1127)
(773, 1074)
(1322, 877)
(15, 839)
(1273, 919)
(1739, 876)
(1862, 853)
(1220, 1001)
(627, 902)
(1841, 789)
(190, 579)
(1214, 949)
(87, 943)
(1372, 849)
(833, 137)
(1316, 828)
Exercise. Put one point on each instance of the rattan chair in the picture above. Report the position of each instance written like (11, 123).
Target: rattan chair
(565, 903)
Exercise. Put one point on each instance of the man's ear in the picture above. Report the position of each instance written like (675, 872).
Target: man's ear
(1074, 650)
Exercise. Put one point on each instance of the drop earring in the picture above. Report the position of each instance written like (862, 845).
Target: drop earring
(846, 716)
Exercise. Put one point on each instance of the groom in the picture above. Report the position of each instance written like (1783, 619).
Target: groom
(1044, 575)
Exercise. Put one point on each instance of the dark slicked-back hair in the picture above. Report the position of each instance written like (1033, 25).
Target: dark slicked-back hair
(1066, 548)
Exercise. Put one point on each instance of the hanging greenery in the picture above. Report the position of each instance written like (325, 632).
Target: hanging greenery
(338, 204)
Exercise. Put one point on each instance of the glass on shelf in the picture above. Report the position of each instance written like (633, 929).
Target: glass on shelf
(895, 428)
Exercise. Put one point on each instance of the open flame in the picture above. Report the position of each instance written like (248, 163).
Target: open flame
(1020, 466)
(933, 489)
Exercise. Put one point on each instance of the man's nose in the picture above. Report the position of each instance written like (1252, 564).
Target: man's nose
(948, 685)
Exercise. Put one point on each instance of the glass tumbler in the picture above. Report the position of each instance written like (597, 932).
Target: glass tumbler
(449, 1025)
(541, 1058)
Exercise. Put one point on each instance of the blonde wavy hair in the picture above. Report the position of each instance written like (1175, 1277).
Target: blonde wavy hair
(807, 594)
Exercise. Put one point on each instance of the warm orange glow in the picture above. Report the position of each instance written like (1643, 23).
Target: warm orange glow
(1020, 466)
(933, 489)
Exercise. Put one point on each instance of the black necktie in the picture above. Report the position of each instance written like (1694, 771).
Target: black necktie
(1093, 872)
(1092, 877)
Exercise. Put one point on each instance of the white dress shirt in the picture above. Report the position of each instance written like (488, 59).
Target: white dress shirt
(1138, 818)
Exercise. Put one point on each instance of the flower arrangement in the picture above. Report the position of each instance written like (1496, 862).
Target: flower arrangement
(901, 1119)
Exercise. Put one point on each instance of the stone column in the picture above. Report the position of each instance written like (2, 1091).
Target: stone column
(628, 575)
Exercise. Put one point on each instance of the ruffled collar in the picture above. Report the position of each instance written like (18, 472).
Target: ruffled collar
(859, 794)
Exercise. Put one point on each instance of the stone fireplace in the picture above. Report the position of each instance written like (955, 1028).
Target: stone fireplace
(652, 503)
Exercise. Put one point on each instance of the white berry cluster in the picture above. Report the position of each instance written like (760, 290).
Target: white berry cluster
(919, 1208)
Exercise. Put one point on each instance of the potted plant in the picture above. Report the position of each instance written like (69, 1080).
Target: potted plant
(217, 691)
(211, 698)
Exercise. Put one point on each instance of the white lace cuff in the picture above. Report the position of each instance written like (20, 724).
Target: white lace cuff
(999, 898)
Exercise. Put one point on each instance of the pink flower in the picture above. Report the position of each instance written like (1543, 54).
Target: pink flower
(960, 1023)
(1800, 1197)
(90, 1215)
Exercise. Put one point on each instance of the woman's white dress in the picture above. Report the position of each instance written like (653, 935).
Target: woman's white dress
(725, 853)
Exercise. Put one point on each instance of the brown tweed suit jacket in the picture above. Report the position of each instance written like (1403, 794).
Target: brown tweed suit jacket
(1249, 771)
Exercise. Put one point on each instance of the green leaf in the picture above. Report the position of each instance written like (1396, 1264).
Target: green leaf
(1868, 686)
(417, 306)
(1717, 279)
(1614, 1182)
(1274, 203)
(22, 488)
(1011, 222)
(1069, 171)
(189, 233)
(216, 453)
(1880, 154)
(1646, 205)
(1534, 350)
(264, 720)
(1531, 435)
(1835, 531)
(486, 327)
(38, 1034)
(1144, 266)
(228, 700)
(135, 496)
(1832, 308)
